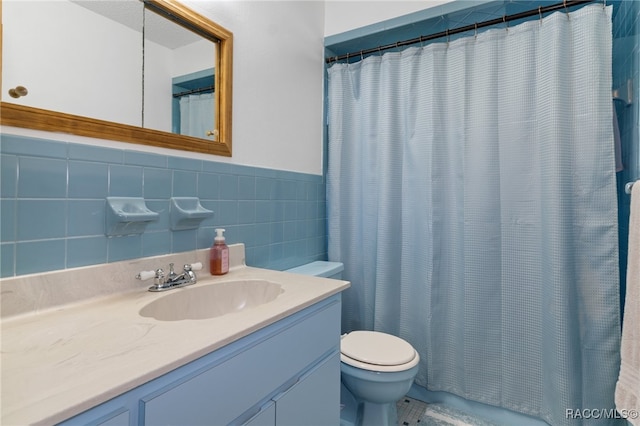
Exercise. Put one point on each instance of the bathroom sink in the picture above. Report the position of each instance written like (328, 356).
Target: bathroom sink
(212, 300)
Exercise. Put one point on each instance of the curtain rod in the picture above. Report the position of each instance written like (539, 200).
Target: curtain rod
(503, 20)
(194, 91)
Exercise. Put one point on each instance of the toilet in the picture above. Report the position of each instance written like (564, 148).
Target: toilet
(377, 369)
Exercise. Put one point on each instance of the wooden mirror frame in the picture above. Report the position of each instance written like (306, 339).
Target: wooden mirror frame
(52, 121)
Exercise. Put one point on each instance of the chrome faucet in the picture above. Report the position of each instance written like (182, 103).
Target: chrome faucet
(164, 282)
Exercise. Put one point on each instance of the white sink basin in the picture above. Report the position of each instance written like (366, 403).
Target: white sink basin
(212, 300)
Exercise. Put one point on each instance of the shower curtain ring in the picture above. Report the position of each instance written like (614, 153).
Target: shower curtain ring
(475, 32)
(506, 24)
(566, 11)
(540, 13)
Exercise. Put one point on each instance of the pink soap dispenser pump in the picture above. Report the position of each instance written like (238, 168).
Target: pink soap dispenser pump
(219, 256)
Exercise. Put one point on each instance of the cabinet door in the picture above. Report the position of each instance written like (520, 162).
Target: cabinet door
(314, 399)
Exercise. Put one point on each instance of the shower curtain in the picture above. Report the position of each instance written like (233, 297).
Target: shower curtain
(196, 115)
(472, 198)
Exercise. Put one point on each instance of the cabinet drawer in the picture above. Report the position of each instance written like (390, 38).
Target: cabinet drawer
(116, 420)
(232, 386)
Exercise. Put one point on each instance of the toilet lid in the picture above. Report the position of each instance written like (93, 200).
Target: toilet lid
(373, 347)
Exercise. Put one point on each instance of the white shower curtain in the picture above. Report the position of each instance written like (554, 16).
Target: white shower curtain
(196, 115)
(472, 198)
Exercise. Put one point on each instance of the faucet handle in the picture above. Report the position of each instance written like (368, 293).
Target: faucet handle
(147, 275)
(193, 266)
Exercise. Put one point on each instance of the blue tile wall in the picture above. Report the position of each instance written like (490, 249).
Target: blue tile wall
(52, 207)
(626, 62)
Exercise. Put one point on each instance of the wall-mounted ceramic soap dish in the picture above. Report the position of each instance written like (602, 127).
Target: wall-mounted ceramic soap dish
(127, 216)
(187, 213)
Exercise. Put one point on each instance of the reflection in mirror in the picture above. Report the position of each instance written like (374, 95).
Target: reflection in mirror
(85, 75)
(178, 79)
(56, 101)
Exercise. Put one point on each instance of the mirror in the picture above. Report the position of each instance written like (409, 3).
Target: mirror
(179, 78)
(133, 112)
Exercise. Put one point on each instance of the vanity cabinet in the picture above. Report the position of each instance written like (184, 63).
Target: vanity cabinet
(287, 373)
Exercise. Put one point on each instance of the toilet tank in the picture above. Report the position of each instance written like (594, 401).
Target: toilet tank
(320, 268)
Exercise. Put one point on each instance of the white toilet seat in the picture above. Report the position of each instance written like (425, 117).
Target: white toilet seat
(376, 351)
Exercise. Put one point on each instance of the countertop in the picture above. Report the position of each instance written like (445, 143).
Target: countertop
(64, 360)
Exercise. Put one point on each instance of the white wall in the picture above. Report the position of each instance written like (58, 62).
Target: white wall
(277, 80)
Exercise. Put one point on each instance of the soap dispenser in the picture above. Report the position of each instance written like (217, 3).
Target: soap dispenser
(219, 256)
